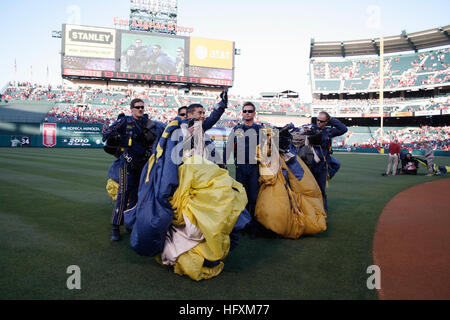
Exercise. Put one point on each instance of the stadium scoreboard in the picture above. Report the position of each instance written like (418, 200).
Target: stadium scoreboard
(106, 53)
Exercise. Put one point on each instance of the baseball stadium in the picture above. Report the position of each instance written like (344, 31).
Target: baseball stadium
(382, 236)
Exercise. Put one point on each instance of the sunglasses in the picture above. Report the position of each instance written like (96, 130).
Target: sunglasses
(182, 114)
(139, 107)
(318, 120)
(247, 111)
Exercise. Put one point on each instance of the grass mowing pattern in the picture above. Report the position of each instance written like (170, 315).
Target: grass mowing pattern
(55, 212)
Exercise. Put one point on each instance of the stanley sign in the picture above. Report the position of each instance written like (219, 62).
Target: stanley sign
(89, 42)
(91, 36)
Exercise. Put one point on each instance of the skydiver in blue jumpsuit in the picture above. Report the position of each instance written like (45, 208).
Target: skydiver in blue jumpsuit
(243, 140)
(137, 137)
(322, 148)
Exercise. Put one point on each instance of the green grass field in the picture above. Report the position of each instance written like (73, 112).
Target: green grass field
(55, 212)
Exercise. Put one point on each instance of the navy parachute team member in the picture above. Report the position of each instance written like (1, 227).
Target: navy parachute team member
(132, 139)
(196, 112)
(182, 113)
(243, 141)
(322, 148)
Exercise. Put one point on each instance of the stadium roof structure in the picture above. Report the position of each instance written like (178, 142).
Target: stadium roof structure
(393, 44)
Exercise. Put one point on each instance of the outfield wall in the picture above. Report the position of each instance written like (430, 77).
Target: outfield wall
(88, 135)
(58, 135)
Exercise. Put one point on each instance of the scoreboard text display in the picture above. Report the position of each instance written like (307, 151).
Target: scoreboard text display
(103, 53)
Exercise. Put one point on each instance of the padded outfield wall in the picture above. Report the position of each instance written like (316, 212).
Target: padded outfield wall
(59, 135)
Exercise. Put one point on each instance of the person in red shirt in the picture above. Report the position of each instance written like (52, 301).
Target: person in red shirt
(394, 157)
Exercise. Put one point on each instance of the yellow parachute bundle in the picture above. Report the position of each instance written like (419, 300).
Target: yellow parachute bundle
(212, 201)
(289, 208)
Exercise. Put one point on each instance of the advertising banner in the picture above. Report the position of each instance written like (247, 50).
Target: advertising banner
(428, 112)
(211, 53)
(89, 63)
(72, 135)
(91, 42)
(402, 114)
(80, 135)
(350, 115)
(375, 115)
(212, 73)
(82, 73)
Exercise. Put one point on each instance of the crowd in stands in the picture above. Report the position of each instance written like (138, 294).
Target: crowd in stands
(351, 106)
(409, 138)
(85, 104)
(400, 71)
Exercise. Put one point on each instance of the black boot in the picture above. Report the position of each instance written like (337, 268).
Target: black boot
(115, 233)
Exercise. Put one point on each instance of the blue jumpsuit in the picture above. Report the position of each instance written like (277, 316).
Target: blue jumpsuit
(321, 170)
(136, 151)
(247, 169)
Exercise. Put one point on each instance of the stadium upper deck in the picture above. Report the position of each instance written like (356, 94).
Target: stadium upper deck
(333, 72)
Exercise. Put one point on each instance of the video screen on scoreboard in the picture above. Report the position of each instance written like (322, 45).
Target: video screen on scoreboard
(151, 54)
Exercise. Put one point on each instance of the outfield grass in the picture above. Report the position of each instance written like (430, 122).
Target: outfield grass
(55, 212)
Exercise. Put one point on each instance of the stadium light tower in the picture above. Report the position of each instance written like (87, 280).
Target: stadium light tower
(156, 11)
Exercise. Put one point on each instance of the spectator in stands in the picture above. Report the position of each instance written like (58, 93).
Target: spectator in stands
(243, 140)
(136, 137)
(323, 148)
(394, 158)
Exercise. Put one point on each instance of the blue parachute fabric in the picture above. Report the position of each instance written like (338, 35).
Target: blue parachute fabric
(241, 223)
(113, 172)
(296, 169)
(211, 264)
(153, 214)
(243, 220)
(333, 166)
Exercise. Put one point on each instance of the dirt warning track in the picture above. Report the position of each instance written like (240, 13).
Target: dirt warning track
(412, 243)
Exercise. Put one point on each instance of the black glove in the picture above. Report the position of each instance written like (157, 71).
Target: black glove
(191, 122)
(315, 139)
(224, 97)
(285, 138)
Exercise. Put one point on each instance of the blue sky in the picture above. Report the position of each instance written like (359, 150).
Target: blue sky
(274, 36)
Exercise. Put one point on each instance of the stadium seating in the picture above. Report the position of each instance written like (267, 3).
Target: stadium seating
(400, 71)
(328, 85)
(410, 137)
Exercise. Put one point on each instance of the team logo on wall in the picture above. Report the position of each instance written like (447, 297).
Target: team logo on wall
(49, 134)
